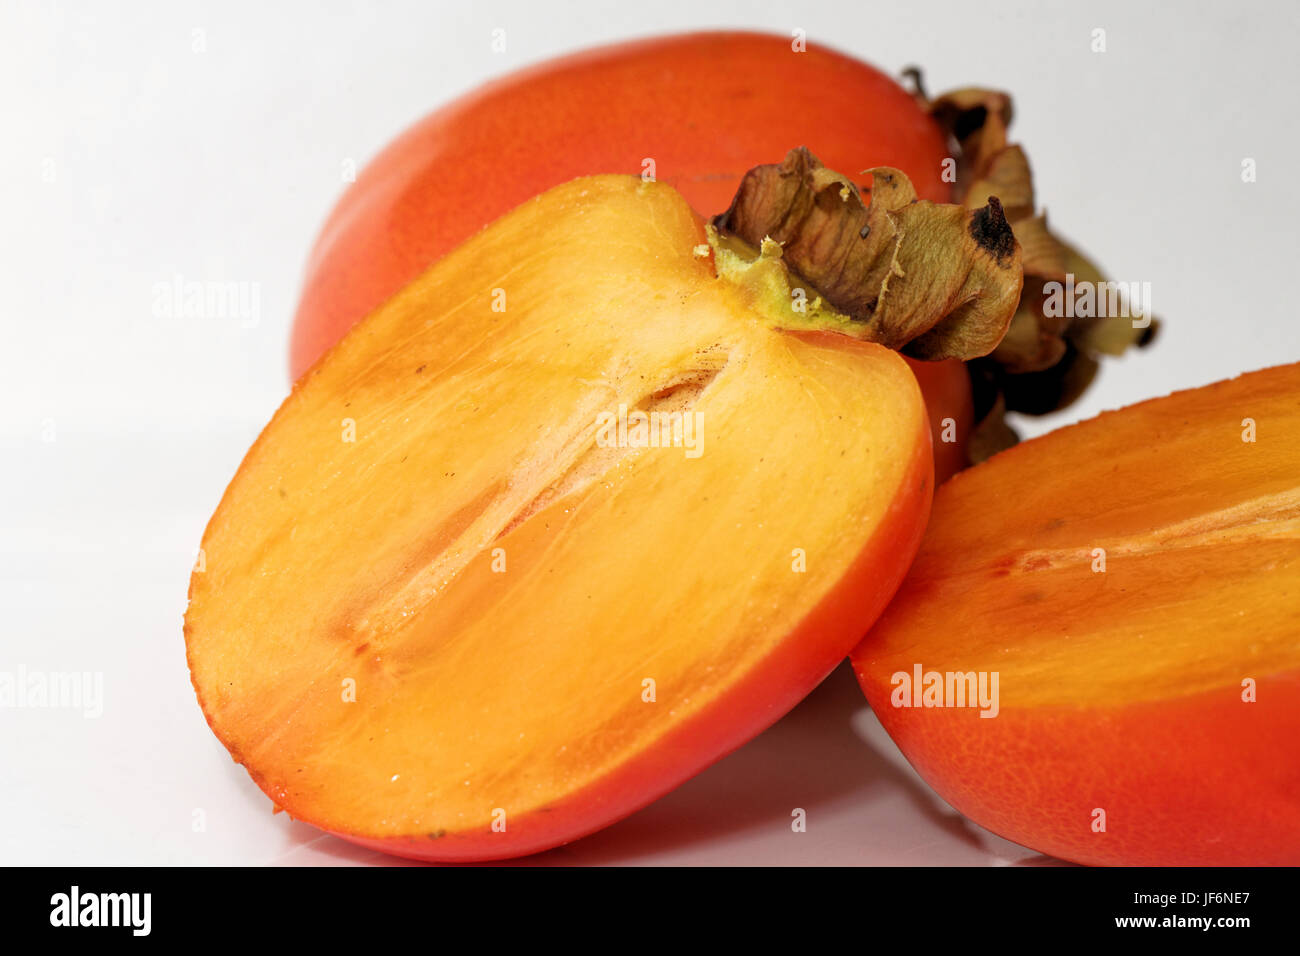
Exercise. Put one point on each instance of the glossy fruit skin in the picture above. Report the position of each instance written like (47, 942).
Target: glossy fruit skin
(1190, 782)
(946, 387)
(704, 107)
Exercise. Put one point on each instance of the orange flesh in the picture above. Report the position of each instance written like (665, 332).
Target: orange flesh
(515, 693)
(1119, 689)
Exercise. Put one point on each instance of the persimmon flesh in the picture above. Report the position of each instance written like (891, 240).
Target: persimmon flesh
(439, 617)
(1134, 581)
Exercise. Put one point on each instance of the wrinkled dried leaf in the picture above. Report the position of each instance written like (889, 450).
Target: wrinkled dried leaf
(1045, 255)
(1108, 335)
(1028, 346)
(1045, 361)
(933, 280)
(1007, 177)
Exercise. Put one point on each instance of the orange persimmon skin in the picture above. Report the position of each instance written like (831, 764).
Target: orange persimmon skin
(704, 107)
(946, 387)
(1161, 687)
(1195, 781)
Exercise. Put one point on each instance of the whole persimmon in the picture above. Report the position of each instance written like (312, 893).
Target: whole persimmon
(695, 111)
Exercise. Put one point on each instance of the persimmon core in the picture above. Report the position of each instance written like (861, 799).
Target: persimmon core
(473, 606)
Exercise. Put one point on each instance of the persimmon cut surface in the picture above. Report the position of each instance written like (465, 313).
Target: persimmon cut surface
(1161, 687)
(498, 588)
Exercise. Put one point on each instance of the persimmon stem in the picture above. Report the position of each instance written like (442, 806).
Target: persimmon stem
(933, 280)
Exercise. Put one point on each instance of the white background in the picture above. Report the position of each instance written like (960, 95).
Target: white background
(128, 158)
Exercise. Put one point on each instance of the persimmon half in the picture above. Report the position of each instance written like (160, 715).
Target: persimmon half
(439, 616)
(1133, 584)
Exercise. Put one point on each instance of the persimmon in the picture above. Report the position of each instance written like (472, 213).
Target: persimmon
(1133, 584)
(946, 387)
(696, 111)
(586, 505)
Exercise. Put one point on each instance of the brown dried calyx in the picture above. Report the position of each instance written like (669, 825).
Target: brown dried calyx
(1047, 359)
(933, 280)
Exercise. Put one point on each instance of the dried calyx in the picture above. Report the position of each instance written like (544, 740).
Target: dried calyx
(978, 280)
(1049, 355)
(933, 280)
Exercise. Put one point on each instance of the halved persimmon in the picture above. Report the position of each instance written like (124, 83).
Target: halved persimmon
(1133, 584)
(459, 603)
